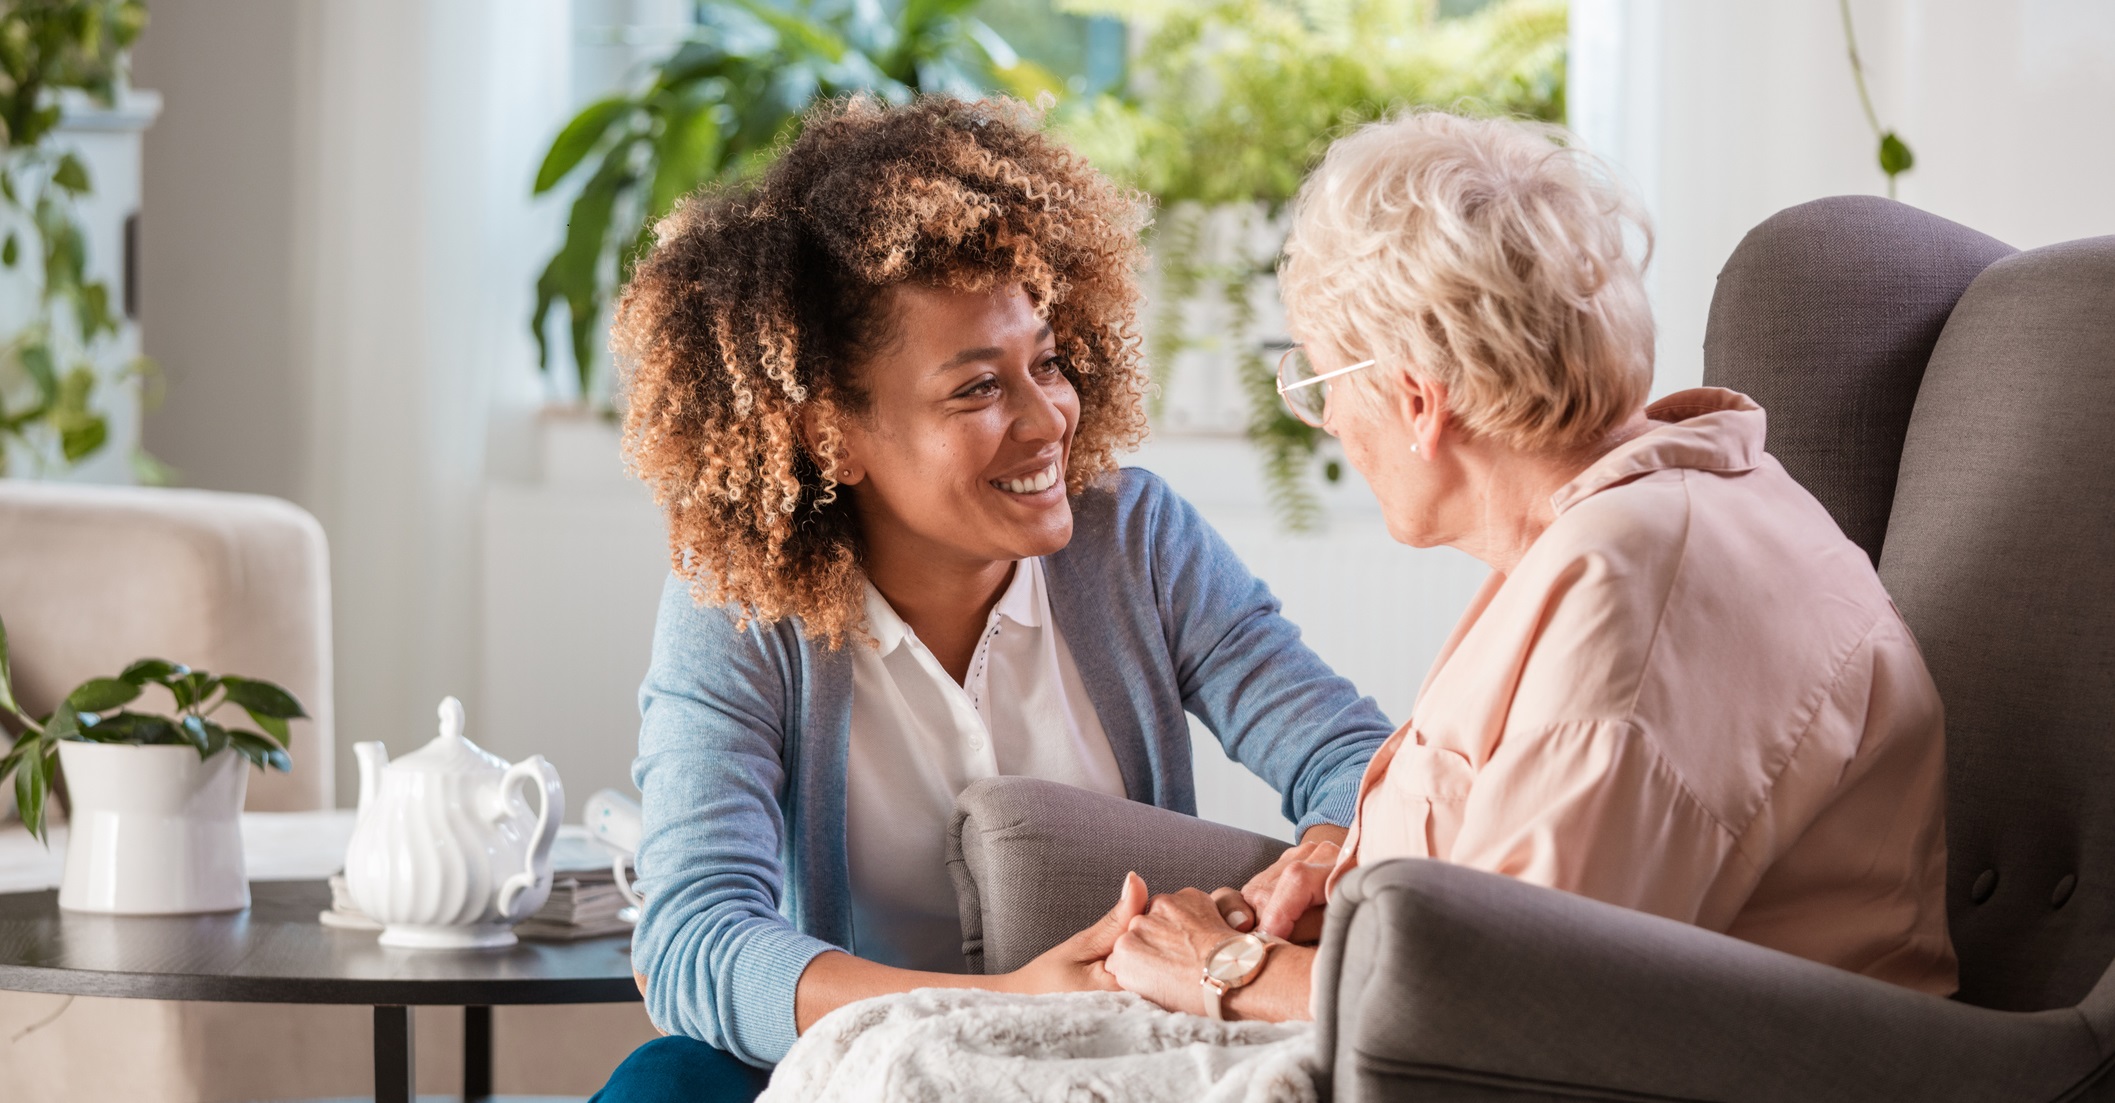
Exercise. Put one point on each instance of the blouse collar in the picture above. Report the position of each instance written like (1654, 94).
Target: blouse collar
(1708, 429)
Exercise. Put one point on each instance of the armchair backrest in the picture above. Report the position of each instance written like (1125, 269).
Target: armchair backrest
(1826, 314)
(2001, 555)
(1952, 403)
(93, 577)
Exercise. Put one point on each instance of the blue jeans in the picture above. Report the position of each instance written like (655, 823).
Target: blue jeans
(676, 1069)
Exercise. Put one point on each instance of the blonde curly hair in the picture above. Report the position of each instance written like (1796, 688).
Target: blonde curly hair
(758, 302)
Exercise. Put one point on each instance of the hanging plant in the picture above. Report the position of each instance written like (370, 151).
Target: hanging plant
(48, 376)
(1234, 101)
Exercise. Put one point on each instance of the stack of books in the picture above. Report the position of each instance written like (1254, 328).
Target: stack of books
(585, 901)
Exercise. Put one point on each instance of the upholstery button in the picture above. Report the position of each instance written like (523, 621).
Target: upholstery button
(2063, 890)
(1985, 884)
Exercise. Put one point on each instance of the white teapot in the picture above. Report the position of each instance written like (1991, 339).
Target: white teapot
(446, 854)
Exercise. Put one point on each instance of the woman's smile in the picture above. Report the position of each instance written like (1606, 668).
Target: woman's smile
(1035, 485)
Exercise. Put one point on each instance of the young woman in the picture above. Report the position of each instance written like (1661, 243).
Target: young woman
(880, 393)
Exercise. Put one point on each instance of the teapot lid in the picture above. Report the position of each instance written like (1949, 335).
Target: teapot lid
(449, 752)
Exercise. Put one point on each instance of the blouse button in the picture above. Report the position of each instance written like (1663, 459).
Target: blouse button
(2063, 890)
(1985, 884)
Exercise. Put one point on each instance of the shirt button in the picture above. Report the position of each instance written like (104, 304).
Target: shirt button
(976, 743)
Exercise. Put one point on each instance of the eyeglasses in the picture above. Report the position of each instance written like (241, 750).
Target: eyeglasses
(1306, 391)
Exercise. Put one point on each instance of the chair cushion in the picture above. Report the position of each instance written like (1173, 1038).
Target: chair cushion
(2001, 556)
(1825, 314)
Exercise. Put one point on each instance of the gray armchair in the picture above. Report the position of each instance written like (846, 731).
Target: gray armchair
(1952, 403)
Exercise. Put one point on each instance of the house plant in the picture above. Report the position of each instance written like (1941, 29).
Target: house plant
(49, 50)
(1231, 102)
(154, 798)
(716, 109)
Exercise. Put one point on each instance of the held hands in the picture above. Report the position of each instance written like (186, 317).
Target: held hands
(1078, 964)
(1162, 955)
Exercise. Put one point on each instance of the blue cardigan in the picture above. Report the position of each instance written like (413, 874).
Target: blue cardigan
(744, 737)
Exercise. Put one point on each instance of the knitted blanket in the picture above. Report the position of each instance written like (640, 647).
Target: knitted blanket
(941, 1044)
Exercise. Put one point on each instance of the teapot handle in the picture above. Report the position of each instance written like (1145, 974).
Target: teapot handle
(550, 811)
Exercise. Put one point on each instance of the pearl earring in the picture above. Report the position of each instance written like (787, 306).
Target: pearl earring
(1413, 447)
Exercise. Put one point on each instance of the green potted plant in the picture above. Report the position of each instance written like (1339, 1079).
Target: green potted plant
(154, 797)
(1230, 104)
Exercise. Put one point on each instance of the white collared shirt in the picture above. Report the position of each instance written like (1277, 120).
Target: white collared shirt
(918, 739)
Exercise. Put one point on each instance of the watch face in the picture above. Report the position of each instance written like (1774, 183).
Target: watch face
(1235, 960)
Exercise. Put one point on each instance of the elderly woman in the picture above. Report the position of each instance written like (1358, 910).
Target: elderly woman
(880, 392)
(1681, 689)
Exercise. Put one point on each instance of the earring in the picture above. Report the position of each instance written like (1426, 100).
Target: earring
(1413, 446)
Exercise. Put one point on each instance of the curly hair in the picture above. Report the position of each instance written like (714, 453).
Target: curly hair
(758, 301)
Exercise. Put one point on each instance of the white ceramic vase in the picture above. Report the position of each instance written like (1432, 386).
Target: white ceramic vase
(153, 830)
(446, 853)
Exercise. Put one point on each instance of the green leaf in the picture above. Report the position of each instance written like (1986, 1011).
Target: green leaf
(1895, 157)
(193, 688)
(195, 729)
(808, 35)
(158, 671)
(92, 311)
(260, 750)
(11, 251)
(134, 727)
(274, 725)
(216, 738)
(102, 694)
(261, 698)
(32, 782)
(7, 679)
(71, 175)
(686, 154)
(36, 360)
(63, 723)
(80, 441)
(579, 138)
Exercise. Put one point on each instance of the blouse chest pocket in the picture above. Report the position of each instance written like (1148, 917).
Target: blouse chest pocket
(1415, 808)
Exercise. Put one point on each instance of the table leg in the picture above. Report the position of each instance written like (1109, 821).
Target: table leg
(394, 1080)
(477, 1054)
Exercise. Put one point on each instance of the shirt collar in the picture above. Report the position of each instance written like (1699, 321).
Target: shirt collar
(1023, 603)
(1709, 429)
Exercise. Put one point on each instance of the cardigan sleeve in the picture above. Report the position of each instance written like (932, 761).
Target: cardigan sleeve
(721, 963)
(1276, 707)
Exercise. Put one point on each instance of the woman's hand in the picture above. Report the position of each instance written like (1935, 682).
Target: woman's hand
(1286, 900)
(1078, 963)
(1162, 956)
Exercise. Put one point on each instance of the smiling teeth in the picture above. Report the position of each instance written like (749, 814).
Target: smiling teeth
(1033, 484)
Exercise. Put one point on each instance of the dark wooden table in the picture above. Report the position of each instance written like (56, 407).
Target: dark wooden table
(276, 951)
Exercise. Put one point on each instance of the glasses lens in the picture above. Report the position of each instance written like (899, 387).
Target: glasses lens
(1306, 402)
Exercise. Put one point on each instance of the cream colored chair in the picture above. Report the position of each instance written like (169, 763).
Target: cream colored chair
(94, 577)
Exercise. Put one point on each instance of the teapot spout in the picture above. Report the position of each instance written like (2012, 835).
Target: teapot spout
(371, 757)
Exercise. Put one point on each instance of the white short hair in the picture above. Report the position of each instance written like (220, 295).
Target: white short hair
(1488, 255)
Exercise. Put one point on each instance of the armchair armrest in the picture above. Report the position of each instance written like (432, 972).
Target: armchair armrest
(1034, 862)
(1437, 982)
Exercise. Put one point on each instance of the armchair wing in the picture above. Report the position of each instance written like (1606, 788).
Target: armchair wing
(1437, 982)
(1034, 862)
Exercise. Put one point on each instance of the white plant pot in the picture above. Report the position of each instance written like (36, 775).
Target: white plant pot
(154, 830)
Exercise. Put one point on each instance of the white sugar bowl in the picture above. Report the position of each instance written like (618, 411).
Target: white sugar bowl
(446, 852)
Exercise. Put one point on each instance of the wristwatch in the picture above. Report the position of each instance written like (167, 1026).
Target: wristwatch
(1233, 964)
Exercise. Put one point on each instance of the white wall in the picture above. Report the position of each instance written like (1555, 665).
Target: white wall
(1724, 113)
(340, 242)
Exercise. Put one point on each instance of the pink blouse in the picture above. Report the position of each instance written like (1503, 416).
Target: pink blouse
(1691, 697)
